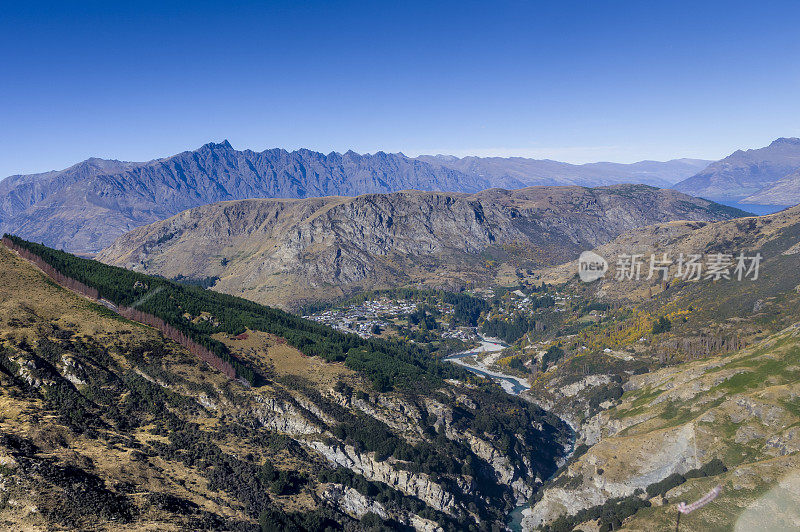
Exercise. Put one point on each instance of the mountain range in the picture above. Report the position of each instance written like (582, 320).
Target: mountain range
(519, 172)
(285, 252)
(85, 207)
(142, 434)
(643, 392)
(766, 176)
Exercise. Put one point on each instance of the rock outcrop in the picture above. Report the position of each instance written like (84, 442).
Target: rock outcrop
(678, 419)
(415, 484)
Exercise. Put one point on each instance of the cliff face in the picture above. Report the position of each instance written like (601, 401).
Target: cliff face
(285, 251)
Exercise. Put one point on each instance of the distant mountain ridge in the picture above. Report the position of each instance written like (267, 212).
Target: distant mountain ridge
(752, 176)
(19, 192)
(519, 172)
(785, 191)
(87, 206)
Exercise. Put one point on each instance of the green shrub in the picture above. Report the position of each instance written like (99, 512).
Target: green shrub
(662, 325)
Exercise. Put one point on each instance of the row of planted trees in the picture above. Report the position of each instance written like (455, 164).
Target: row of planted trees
(388, 362)
(700, 346)
(55, 275)
(132, 314)
(178, 337)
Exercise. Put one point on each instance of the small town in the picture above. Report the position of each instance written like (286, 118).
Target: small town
(369, 318)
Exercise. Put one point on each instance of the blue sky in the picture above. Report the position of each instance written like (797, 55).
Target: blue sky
(574, 81)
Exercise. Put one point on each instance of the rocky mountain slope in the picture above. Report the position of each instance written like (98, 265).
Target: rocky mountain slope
(659, 410)
(288, 251)
(737, 412)
(743, 175)
(105, 424)
(518, 172)
(785, 191)
(774, 237)
(85, 207)
(19, 192)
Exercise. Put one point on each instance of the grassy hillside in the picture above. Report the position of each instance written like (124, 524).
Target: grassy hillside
(94, 410)
(104, 424)
(202, 313)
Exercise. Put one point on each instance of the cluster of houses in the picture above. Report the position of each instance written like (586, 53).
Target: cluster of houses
(371, 318)
(466, 334)
(367, 319)
(519, 302)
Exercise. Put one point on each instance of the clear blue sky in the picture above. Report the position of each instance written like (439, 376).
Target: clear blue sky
(575, 81)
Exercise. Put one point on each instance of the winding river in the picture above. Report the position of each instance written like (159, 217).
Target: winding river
(512, 385)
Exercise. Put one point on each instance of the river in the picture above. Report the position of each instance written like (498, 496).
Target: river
(512, 385)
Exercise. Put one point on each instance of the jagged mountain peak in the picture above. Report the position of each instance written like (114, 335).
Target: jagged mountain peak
(85, 207)
(224, 145)
(785, 141)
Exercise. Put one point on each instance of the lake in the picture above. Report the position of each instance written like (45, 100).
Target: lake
(759, 210)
